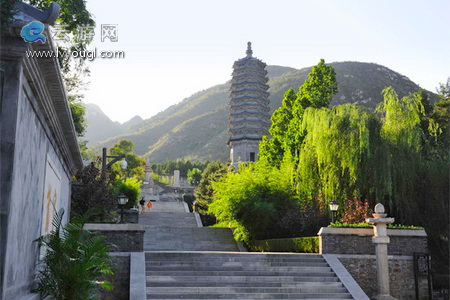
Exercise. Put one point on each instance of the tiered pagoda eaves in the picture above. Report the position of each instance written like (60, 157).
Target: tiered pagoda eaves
(249, 118)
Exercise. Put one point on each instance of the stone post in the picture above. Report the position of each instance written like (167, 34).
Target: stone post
(176, 178)
(381, 240)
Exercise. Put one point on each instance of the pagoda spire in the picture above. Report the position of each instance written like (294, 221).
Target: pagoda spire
(249, 111)
(249, 51)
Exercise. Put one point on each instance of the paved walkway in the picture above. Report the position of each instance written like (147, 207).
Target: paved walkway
(164, 206)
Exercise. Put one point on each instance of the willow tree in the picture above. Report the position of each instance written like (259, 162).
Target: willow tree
(341, 156)
(349, 151)
(403, 135)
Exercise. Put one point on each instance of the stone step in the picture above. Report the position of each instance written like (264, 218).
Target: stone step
(170, 237)
(188, 230)
(218, 256)
(164, 219)
(236, 283)
(190, 248)
(242, 279)
(235, 275)
(246, 290)
(239, 268)
(189, 239)
(240, 273)
(327, 296)
(233, 264)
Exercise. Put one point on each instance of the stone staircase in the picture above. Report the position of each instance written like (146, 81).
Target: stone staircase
(189, 239)
(168, 229)
(184, 261)
(228, 275)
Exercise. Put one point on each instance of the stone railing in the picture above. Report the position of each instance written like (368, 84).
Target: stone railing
(359, 241)
(125, 237)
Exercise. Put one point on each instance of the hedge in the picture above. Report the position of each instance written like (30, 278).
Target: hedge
(367, 225)
(297, 245)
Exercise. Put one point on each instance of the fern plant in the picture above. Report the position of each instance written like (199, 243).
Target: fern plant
(75, 262)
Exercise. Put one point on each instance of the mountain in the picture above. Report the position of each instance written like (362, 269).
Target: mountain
(196, 128)
(100, 127)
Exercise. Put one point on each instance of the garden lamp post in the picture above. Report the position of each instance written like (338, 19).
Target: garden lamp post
(333, 208)
(121, 200)
(106, 165)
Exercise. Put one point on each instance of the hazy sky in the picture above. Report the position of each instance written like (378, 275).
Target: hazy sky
(176, 48)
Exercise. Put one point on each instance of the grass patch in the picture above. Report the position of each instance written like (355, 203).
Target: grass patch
(296, 245)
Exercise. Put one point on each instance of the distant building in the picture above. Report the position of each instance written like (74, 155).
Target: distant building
(249, 118)
(39, 150)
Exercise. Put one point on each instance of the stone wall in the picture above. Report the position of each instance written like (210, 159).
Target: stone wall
(34, 147)
(359, 241)
(121, 278)
(355, 250)
(125, 237)
(401, 280)
(130, 216)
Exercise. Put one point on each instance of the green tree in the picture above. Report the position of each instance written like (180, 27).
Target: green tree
(272, 149)
(194, 176)
(316, 92)
(89, 191)
(339, 149)
(122, 147)
(135, 163)
(214, 171)
(441, 116)
(6, 14)
(130, 187)
(75, 261)
(253, 200)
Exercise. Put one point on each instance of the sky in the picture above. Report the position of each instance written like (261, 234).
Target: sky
(174, 49)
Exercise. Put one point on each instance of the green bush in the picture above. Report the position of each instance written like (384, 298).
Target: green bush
(297, 245)
(253, 200)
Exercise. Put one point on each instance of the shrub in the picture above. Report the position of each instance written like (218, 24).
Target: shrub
(367, 225)
(253, 200)
(90, 191)
(297, 245)
(356, 211)
(75, 261)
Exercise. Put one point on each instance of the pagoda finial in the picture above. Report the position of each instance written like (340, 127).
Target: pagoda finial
(249, 49)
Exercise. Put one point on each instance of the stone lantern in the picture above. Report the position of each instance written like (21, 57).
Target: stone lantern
(381, 239)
